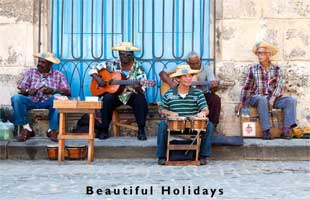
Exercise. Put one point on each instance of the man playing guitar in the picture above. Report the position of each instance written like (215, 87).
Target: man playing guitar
(132, 95)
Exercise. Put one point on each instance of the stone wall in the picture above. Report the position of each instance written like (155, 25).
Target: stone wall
(240, 24)
(16, 39)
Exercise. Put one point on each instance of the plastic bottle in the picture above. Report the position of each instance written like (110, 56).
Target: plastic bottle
(1, 130)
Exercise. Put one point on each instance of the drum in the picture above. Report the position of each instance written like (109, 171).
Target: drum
(176, 123)
(198, 123)
(52, 152)
(76, 152)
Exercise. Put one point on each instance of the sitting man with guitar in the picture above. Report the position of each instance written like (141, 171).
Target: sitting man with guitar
(184, 101)
(121, 82)
(204, 78)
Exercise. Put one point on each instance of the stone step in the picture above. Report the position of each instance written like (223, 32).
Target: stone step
(130, 147)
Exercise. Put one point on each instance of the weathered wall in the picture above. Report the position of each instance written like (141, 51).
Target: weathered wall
(16, 39)
(286, 24)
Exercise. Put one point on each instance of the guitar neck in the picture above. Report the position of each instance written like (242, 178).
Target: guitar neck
(124, 82)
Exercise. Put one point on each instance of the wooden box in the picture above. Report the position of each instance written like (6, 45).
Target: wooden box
(251, 127)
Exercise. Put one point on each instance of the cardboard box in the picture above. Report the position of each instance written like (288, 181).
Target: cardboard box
(251, 127)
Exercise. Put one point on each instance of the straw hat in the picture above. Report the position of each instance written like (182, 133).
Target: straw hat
(270, 48)
(125, 46)
(183, 70)
(47, 56)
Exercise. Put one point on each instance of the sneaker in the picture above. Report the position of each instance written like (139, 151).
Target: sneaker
(161, 161)
(103, 136)
(203, 160)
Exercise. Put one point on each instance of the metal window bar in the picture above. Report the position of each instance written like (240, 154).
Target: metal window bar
(76, 43)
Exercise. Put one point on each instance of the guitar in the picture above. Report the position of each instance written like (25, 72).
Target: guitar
(116, 83)
(222, 84)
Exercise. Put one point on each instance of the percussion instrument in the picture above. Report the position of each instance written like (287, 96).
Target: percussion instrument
(74, 152)
(176, 123)
(198, 123)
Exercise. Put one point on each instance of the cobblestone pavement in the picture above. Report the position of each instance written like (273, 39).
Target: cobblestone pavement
(225, 179)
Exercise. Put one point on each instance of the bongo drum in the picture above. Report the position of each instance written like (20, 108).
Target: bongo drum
(198, 123)
(76, 152)
(176, 123)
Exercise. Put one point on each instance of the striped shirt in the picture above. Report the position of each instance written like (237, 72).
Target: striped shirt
(193, 103)
(262, 82)
(33, 79)
(136, 73)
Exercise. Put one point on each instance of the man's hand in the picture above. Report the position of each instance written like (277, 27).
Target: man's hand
(32, 91)
(138, 87)
(48, 91)
(172, 114)
(271, 101)
(99, 80)
(214, 86)
(203, 113)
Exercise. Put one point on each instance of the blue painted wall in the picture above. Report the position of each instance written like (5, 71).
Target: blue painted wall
(84, 31)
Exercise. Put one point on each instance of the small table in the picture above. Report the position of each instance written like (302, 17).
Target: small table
(73, 106)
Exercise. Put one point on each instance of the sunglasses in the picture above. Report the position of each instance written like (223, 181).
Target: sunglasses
(127, 54)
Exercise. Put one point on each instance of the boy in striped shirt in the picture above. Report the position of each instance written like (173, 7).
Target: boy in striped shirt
(184, 101)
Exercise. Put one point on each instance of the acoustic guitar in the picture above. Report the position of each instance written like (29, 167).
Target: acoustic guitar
(222, 84)
(116, 83)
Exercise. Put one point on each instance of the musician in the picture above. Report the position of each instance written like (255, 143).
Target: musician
(262, 89)
(37, 90)
(205, 74)
(184, 100)
(132, 95)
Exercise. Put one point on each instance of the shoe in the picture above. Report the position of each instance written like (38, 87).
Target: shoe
(286, 134)
(161, 161)
(25, 135)
(267, 135)
(141, 134)
(103, 136)
(203, 160)
(52, 135)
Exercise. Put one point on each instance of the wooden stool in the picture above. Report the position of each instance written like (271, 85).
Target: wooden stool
(68, 106)
(116, 124)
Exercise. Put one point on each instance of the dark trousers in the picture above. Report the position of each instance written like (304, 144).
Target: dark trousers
(214, 104)
(136, 101)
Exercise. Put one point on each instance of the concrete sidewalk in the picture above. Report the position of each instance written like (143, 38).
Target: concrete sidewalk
(130, 147)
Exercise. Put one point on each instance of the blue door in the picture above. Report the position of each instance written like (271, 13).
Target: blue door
(84, 31)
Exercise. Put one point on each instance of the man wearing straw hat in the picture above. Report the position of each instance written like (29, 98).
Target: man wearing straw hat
(184, 100)
(132, 95)
(263, 88)
(37, 90)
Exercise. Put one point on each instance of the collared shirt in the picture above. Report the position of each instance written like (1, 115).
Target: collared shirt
(193, 103)
(205, 74)
(262, 82)
(136, 73)
(33, 79)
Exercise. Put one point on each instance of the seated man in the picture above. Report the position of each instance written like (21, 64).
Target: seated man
(132, 95)
(205, 74)
(184, 100)
(263, 88)
(37, 89)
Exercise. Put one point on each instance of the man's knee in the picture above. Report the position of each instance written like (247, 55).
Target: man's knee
(16, 98)
(262, 100)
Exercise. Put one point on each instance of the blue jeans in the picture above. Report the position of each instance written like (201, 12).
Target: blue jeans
(287, 104)
(162, 135)
(22, 104)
